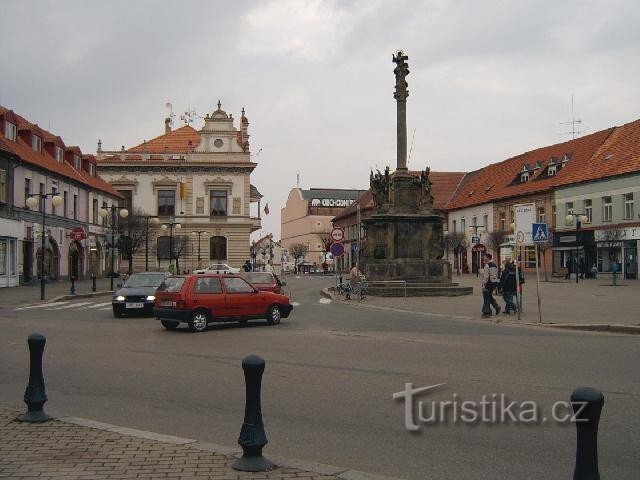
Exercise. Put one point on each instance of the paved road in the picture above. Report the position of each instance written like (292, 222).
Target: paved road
(327, 391)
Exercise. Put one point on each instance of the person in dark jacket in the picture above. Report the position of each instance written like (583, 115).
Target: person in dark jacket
(490, 281)
(508, 287)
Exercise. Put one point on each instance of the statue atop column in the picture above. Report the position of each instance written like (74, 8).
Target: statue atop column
(401, 71)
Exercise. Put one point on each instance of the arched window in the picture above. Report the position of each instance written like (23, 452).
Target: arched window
(218, 248)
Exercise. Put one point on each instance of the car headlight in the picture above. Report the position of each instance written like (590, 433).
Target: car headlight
(151, 298)
(120, 298)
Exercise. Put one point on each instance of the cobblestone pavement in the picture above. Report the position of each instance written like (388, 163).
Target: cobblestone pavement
(64, 450)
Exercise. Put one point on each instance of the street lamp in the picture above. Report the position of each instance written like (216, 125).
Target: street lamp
(170, 226)
(475, 230)
(199, 233)
(124, 213)
(580, 219)
(33, 201)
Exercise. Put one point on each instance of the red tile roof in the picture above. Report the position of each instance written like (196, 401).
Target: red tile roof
(499, 180)
(43, 160)
(176, 141)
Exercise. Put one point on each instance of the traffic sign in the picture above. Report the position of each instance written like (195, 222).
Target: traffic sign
(525, 217)
(337, 249)
(337, 234)
(78, 233)
(540, 233)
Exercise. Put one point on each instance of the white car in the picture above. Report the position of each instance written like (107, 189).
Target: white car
(218, 268)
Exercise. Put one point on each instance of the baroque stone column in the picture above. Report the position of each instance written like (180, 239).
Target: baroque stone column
(401, 94)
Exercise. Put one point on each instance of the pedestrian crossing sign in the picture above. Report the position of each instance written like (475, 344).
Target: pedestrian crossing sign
(540, 233)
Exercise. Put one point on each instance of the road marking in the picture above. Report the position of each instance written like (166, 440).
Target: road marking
(40, 305)
(72, 305)
(296, 304)
(324, 300)
(96, 305)
(105, 309)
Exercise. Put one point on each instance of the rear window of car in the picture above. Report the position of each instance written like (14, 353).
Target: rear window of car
(254, 277)
(171, 284)
(207, 285)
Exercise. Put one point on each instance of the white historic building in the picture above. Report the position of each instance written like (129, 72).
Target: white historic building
(196, 183)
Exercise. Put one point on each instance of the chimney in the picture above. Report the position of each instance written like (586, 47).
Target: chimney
(167, 125)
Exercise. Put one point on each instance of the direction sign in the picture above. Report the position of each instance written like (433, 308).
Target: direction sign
(525, 216)
(540, 233)
(337, 234)
(337, 249)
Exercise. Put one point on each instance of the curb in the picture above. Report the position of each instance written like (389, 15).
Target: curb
(317, 468)
(602, 328)
(80, 295)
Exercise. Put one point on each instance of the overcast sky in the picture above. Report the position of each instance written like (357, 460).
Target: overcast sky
(489, 79)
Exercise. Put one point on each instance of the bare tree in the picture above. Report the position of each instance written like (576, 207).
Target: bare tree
(298, 250)
(132, 230)
(611, 240)
(455, 241)
(180, 245)
(326, 242)
(495, 239)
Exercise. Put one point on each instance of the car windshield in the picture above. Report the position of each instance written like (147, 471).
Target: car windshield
(144, 280)
(258, 277)
(171, 284)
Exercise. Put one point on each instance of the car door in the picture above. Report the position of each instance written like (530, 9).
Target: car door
(242, 299)
(207, 292)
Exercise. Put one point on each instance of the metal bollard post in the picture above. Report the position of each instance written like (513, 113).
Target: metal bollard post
(72, 290)
(35, 395)
(587, 404)
(93, 282)
(252, 436)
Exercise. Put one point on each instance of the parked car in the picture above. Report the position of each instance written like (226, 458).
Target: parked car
(217, 268)
(137, 295)
(201, 299)
(265, 281)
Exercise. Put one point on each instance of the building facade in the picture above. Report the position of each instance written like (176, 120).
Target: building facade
(306, 219)
(190, 181)
(34, 161)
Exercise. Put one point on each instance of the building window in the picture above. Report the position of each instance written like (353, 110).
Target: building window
(530, 257)
(59, 154)
(166, 203)
(41, 203)
(65, 203)
(104, 219)
(27, 189)
(92, 170)
(127, 202)
(218, 248)
(10, 131)
(541, 215)
(95, 211)
(486, 222)
(569, 209)
(454, 226)
(54, 190)
(75, 207)
(607, 209)
(503, 221)
(218, 203)
(524, 177)
(36, 143)
(162, 247)
(588, 210)
(552, 170)
(3, 185)
(77, 162)
(463, 225)
(628, 206)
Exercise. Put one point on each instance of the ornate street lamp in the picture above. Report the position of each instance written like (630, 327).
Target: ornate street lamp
(475, 230)
(170, 226)
(33, 201)
(124, 213)
(199, 233)
(580, 219)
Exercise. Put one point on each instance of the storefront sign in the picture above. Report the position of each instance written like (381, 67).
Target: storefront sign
(330, 202)
(78, 233)
(479, 248)
(567, 239)
(630, 233)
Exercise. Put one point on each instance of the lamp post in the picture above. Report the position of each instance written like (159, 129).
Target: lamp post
(39, 199)
(154, 221)
(199, 233)
(170, 226)
(124, 213)
(580, 218)
(474, 230)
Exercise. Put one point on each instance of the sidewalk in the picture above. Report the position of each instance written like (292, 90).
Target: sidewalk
(74, 448)
(30, 294)
(590, 302)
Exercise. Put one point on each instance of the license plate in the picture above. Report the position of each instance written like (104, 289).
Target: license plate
(134, 305)
(166, 303)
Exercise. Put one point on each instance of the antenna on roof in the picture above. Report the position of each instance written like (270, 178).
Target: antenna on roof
(188, 116)
(171, 114)
(573, 123)
(297, 180)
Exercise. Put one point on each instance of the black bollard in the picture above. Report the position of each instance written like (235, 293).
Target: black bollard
(587, 404)
(72, 290)
(35, 395)
(252, 436)
(93, 282)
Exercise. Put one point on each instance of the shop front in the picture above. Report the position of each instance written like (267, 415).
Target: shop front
(574, 251)
(618, 251)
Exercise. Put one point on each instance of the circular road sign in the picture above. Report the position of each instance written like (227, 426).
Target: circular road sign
(337, 249)
(520, 237)
(337, 234)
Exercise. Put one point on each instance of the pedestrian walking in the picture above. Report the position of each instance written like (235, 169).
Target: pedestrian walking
(247, 266)
(490, 281)
(508, 287)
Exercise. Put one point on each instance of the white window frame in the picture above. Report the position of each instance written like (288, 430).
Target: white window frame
(77, 162)
(10, 130)
(524, 177)
(552, 170)
(36, 143)
(607, 209)
(628, 206)
(59, 154)
(570, 210)
(588, 210)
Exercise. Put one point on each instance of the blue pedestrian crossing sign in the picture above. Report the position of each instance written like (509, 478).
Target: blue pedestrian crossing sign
(540, 233)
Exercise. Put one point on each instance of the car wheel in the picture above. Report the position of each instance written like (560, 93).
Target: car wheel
(274, 315)
(199, 321)
(117, 312)
(169, 325)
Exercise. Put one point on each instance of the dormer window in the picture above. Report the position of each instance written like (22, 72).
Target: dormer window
(92, 170)
(77, 162)
(552, 170)
(524, 177)
(59, 154)
(36, 143)
(10, 130)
